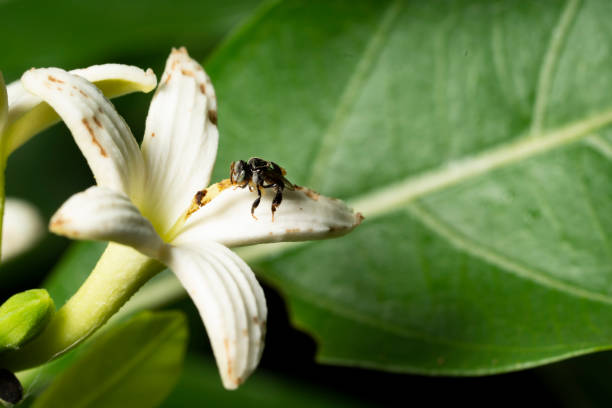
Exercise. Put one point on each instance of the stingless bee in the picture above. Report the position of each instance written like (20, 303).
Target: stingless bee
(258, 173)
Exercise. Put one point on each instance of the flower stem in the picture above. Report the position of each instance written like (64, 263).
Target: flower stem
(119, 273)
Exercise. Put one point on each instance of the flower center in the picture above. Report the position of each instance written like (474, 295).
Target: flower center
(200, 199)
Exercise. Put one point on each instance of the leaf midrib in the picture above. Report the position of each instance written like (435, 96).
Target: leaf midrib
(396, 196)
(387, 199)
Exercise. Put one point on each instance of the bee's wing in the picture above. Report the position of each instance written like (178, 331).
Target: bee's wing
(288, 185)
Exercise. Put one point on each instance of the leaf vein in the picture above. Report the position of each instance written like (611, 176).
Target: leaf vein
(330, 138)
(507, 264)
(551, 58)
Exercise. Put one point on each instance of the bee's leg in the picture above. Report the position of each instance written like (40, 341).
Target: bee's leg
(278, 197)
(256, 202)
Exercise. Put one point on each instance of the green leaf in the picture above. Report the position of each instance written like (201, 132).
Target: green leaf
(200, 382)
(135, 364)
(475, 137)
(23, 316)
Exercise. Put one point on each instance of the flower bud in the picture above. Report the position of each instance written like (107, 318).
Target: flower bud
(23, 316)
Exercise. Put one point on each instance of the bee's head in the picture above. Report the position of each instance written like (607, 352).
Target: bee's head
(238, 172)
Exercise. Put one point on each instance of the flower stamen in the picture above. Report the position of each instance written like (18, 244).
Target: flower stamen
(200, 199)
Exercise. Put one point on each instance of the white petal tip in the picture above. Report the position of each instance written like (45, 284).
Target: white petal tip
(104, 215)
(150, 81)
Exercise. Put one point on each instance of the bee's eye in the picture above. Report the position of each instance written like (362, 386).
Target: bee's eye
(240, 176)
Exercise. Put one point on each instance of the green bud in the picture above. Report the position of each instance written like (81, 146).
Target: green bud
(23, 316)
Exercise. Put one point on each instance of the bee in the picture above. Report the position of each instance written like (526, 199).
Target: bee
(258, 173)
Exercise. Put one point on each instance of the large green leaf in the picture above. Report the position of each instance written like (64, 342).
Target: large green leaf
(474, 136)
(135, 364)
(200, 382)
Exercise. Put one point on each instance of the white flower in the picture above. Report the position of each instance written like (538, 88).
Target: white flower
(152, 200)
(23, 228)
(22, 115)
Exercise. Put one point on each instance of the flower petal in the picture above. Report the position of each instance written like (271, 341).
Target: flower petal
(28, 114)
(101, 134)
(302, 215)
(230, 301)
(99, 213)
(180, 142)
(22, 228)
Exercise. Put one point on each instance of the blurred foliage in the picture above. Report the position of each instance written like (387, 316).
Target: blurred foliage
(135, 364)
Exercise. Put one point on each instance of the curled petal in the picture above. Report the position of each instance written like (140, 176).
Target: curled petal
(28, 114)
(99, 213)
(302, 215)
(230, 301)
(23, 227)
(180, 142)
(102, 135)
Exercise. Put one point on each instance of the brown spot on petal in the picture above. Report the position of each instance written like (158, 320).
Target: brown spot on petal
(58, 222)
(203, 89)
(205, 196)
(245, 332)
(187, 72)
(97, 121)
(93, 137)
(255, 320)
(89, 129)
(153, 134)
(226, 345)
(359, 218)
(54, 79)
(212, 115)
(313, 195)
(200, 196)
(83, 93)
(292, 230)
